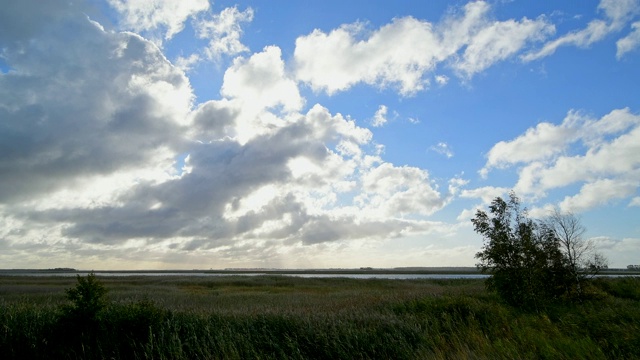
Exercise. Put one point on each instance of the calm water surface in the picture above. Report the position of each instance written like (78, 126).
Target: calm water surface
(205, 274)
(302, 275)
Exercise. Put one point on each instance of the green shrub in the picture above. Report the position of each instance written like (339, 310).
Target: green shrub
(88, 298)
(627, 287)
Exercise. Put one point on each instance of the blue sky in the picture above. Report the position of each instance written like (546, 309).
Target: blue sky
(219, 134)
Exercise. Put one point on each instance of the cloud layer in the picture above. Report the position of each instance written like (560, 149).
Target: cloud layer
(107, 157)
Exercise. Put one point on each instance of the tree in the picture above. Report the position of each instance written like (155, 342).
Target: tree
(87, 298)
(580, 255)
(524, 259)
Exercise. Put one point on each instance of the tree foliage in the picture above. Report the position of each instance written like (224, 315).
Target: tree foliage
(88, 298)
(524, 257)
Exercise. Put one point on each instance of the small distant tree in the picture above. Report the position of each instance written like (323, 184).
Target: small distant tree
(88, 298)
(597, 263)
(524, 259)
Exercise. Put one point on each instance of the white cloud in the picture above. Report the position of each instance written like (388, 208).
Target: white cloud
(380, 117)
(442, 79)
(551, 158)
(261, 81)
(538, 143)
(398, 53)
(615, 158)
(629, 42)
(546, 141)
(499, 41)
(223, 31)
(164, 16)
(257, 84)
(187, 63)
(442, 149)
(486, 193)
(402, 52)
(625, 251)
(617, 14)
(599, 192)
(635, 201)
(389, 190)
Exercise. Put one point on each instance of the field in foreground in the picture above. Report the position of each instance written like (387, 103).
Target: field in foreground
(240, 317)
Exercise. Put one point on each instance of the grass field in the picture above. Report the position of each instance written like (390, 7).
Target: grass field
(247, 317)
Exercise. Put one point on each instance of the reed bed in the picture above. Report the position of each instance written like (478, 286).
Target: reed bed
(279, 317)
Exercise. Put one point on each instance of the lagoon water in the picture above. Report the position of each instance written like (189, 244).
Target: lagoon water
(399, 276)
(205, 274)
(393, 276)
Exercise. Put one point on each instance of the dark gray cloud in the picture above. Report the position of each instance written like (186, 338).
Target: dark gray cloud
(78, 101)
(194, 204)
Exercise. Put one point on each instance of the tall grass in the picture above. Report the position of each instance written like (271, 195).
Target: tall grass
(270, 317)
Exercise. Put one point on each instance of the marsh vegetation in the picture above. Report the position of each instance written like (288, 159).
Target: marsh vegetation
(241, 317)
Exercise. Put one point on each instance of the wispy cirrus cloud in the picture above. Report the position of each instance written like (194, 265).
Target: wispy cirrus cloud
(617, 13)
(442, 148)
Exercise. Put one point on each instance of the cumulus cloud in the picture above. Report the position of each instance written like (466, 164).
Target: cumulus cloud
(538, 143)
(600, 192)
(402, 52)
(486, 193)
(546, 140)
(624, 250)
(389, 191)
(500, 40)
(279, 186)
(223, 31)
(137, 166)
(127, 102)
(617, 13)
(551, 158)
(629, 42)
(157, 17)
(261, 82)
(380, 117)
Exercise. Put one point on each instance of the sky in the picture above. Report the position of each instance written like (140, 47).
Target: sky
(150, 134)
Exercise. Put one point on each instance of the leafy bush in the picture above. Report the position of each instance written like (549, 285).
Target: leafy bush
(627, 287)
(527, 267)
(88, 298)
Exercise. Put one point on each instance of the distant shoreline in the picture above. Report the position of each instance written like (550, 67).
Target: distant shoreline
(267, 271)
